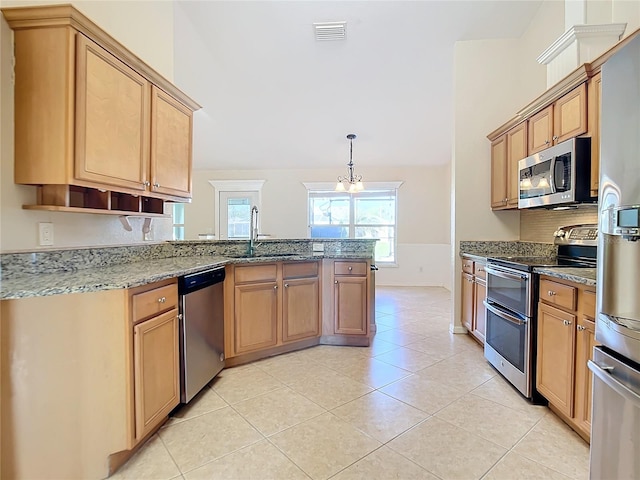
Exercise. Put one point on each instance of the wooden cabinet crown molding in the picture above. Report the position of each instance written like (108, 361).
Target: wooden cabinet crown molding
(20, 18)
(580, 75)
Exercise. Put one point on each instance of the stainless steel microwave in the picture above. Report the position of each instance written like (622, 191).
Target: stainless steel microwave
(557, 175)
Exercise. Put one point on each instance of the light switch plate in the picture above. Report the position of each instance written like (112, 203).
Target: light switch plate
(45, 234)
(318, 247)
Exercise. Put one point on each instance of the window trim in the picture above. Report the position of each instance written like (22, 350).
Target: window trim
(329, 187)
(233, 186)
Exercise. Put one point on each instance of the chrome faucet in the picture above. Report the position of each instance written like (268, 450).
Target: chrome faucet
(253, 230)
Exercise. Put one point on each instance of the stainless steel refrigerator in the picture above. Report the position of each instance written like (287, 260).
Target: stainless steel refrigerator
(615, 422)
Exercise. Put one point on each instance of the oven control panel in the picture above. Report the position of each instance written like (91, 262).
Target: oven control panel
(576, 235)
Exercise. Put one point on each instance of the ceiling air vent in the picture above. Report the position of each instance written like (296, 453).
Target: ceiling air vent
(330, 30)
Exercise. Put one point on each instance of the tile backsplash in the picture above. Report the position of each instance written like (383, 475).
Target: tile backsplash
(538, 225)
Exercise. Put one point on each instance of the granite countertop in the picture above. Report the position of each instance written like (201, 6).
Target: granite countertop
(133, 274)
(582, 275)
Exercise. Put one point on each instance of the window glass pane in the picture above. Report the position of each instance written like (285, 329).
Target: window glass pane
(238, 217)
(385, 246)
(329, 210)
(178, 213)
(178, 233)
(329, 231)
(380, 210)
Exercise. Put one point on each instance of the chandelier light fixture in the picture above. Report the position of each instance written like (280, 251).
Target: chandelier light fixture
(351, 183)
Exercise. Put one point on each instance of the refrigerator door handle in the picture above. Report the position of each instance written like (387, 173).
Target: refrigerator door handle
(618, 387)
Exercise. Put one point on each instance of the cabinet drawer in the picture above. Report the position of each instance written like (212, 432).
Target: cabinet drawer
(558, 294)
(350, 268)
(467, 266)
(300, 269)
(153, 302)
(255, 273)
(589, 304)
(479, 271)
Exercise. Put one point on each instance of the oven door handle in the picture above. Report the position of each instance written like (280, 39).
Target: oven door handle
(503, 314)
(491, 270)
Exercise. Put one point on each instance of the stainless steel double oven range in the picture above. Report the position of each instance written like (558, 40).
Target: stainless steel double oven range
(512, 296)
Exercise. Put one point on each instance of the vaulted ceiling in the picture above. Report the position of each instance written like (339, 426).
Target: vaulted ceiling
(274, 97)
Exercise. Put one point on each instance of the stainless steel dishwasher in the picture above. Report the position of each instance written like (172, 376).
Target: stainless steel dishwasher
(201, 330)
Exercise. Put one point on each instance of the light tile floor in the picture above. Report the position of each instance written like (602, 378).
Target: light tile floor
(419, 403)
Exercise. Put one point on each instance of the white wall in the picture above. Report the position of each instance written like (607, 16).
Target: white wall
(146, 28)
(423, 213)
(492, 80)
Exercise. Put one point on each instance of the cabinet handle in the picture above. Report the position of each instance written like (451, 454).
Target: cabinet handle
(555, 137)
(566, 323)
(580, 328)
(275, 287)
(162, 299)
(546, 142)
(156, 184)
(286, 285)
(146, 183)
(481, 269)
(350, 268)
(335, 281)
(551, 293)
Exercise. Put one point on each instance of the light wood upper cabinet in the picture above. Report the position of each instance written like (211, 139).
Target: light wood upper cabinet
(541, 130)
(516, 151)
(112, 119)
(172, 131)
(565, 118)
(595, 106)
(499, 173)
(89, 114)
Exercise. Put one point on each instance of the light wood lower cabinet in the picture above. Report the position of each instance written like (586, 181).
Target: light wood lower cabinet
(566, 337)
(268, 306)
(473, 292)
(156, 357)
(156, 371)
(350, 304)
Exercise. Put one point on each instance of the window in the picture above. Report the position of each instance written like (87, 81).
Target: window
(178, 221)
(367, 214)
(234, 199)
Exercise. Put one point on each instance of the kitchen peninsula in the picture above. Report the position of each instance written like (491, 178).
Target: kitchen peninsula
(72, 324)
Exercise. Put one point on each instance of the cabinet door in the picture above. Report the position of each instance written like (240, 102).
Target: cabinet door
(556, 347)
(516, 151)
(256, 316)
(300, 309)
(172, 130)
(156, 370)
(570, 114)
(585, 341)
(112, 119)
(595, 106)
(467, 301)
(351, 305)
(480, 314)
(540, 130)
(499, 173)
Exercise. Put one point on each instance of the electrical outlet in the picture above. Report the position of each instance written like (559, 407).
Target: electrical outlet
(45, 234)
(318, 247)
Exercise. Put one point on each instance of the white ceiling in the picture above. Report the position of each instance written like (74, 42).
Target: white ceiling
(274, 97)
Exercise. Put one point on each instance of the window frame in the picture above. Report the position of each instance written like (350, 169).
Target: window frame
(173, 220)
(318, 188)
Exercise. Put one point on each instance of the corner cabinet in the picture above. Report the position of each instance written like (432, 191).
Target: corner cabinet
(566, 337)
(270, 308)
(91, 117)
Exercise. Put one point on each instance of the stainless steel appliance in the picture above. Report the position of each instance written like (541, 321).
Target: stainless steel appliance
(201, 330)
(615, 430)
(512, 296)
(557, 175)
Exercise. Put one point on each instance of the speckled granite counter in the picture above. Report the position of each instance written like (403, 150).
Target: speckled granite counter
(484, 249)
(88, 270)
(582, 275)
